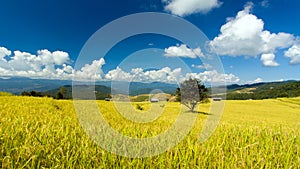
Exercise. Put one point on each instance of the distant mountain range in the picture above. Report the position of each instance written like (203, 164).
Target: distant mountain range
(18, 85)
(103, 89)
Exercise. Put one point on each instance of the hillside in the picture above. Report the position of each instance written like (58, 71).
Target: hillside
(103, 88)
(263, 90)
(17, 85)
(101, 92)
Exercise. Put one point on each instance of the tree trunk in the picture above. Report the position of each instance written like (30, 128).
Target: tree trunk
(193, 106)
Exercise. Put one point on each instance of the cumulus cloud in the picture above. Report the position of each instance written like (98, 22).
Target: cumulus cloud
(118, 75)
(244, 35)
(4, 52)
(183, 51)
(258, 80)
(165, 74)
(212, 76)
(57, 57)
(187, 7)
(91, 72)
(294, 54)
(268, 60)
(23, 61)
(49, 65)
(45, 64)
(168, 75)
(56, 65)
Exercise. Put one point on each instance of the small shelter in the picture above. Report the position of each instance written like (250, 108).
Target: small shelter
(217, 99)
(154, 100)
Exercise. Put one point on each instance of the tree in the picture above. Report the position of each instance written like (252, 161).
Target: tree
(191, 92)
(178, 95)
(60, 94)
(33, 93)
(24, 93)
(63, 90)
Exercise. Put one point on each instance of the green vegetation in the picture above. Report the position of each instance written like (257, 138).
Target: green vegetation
(265, 91)
(140, 98)
(65, 92)
(101, 92)
(60, 94)
(44, 133)
(32, 93)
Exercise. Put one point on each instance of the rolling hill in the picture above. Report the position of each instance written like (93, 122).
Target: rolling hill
(17, 85)
(262, 90)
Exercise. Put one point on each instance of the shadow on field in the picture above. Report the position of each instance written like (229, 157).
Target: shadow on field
(199, 112)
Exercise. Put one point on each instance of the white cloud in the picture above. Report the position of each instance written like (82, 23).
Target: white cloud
(118, 75)
(187, 7)
(183, 51)
(139, 75)
(214, 77)
(274, 41)
(244, 35)
(55, 65)
(57, 57)
(4, 52)
(268, 60)
(168, 75)
(265, 3)
(258, 80)
(90, 72)
(294, 54)
(46, 64)
(204, 66)
(45, 61)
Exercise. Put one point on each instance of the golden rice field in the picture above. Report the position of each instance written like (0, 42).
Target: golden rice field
(45, 133)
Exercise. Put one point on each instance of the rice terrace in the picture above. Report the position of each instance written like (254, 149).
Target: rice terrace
(45, 133)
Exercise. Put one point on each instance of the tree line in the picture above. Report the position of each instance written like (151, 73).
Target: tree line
(63, 93)
(269, 91)
(59, 95)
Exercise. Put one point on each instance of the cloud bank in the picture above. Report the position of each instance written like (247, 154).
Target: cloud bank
(56, 65)
(45, 64)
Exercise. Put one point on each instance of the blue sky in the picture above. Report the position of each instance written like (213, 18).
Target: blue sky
(256, 40)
